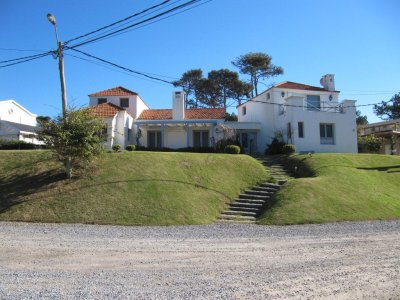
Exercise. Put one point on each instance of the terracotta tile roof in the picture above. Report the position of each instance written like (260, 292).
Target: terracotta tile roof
(190, 114)
(300, 86)
(117, 91)
(107, 110)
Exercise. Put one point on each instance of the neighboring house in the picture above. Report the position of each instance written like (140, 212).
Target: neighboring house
(311, 118)
(17, 123)
(389, 131)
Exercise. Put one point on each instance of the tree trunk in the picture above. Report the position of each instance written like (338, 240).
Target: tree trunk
(68, 167)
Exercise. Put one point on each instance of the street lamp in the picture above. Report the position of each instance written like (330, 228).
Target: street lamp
(52, 20)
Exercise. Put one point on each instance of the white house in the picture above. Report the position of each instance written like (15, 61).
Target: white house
(130, 121)
(17, 123)
(310, 117)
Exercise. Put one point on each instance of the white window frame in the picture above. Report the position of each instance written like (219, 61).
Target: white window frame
(324, 139)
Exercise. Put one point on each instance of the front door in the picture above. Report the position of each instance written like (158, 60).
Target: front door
(248, 140)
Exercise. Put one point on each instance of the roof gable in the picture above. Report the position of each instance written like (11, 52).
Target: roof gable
(107, 110)
(300, 86)
(190, 114)
(116, 91)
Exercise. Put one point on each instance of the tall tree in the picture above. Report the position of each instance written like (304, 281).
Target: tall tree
(259, 66)
(387, 111)
(188, 82)
(220, 86)
(360, 119)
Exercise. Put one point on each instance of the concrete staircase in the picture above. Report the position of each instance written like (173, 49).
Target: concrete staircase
(249, 205)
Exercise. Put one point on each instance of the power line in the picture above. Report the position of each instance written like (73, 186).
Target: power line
(21, 50)
(119, 21)
(121, 67)
(25, 60)
(115, 69)
(26, 57)
(136, 24)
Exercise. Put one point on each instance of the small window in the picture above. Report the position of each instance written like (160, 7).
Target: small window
(101, 100)
(244, 110)
(326, 133)
(313, 102)
(268, 96)
(300, 128)
(124, 102)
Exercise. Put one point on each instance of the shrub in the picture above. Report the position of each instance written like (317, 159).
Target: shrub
(275, 147)
(232, 149)
(288, 149)
(130, 148)
(369, 143)
(116, 147)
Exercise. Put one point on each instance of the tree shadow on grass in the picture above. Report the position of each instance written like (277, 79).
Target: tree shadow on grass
(387, 169)
(13, 189)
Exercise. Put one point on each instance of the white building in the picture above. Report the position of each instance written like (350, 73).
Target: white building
(17, 123)
(130, 121)
(311, 118)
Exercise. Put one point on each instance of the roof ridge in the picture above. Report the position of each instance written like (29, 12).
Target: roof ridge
(114, 88)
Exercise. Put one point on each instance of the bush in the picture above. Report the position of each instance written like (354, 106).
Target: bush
(288, 149)
(275, 147)
(18, 145)
(232, 149)
(130, 148)
(369, 143)
(116, 147)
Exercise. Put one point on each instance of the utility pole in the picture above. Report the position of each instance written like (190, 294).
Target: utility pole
(60, 56)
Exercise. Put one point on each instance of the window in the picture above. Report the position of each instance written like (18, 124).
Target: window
(300, 128)
(124, 102)
(103, 134)
(326, 133)
(154, 139)
(101, 100)
(313, 102)
(200, 139)
(244, 110)
(268, 96)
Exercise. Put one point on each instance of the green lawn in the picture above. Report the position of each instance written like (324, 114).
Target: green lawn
(127, 188)
(343, 187)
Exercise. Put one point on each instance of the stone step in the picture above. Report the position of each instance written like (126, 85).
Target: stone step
(262, 188)
(240, 213)
(259, 193)
(248, 202)
(236, 217)
(244, 208)
(271, 185)
(248, 196)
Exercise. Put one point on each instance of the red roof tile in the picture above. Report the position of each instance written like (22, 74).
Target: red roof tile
(117, 91)
(107, 110)
(300, 86)
(190, 114)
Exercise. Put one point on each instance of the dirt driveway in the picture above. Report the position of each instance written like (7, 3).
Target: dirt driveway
(344, 260)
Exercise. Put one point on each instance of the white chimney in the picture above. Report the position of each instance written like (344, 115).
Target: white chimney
(328, 82)
(178, 105)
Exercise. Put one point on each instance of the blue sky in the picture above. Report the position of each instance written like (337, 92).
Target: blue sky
(358, 41)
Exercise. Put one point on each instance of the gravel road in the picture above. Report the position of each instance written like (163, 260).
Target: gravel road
(333, 261)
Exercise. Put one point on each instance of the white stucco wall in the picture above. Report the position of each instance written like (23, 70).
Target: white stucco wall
(11, 111)
(274, 117)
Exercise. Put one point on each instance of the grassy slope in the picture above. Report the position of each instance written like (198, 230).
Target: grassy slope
(345, 187)
(124, 188)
